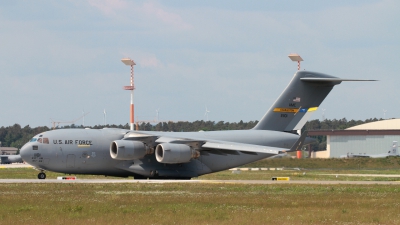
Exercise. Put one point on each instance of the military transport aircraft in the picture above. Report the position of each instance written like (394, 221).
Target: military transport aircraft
(181, 155)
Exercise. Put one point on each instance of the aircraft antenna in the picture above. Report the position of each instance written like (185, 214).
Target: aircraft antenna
(295, 57)
(131, 63)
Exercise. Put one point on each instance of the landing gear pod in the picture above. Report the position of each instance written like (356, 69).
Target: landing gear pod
(128, 150)
(175, 153)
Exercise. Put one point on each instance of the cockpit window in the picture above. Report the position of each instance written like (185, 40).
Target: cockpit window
(40, 140)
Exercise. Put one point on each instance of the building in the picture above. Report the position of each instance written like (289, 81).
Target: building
(8, 151)
(370, 138)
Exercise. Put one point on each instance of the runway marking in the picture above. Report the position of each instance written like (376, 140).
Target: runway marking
(361, 175)
(15, 165)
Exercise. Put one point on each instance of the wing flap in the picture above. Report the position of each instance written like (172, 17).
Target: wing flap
(232, 146)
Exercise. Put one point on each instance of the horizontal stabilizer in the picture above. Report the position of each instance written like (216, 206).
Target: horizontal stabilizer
(319, 79)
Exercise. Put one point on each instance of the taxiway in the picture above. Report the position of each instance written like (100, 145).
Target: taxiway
(116, 181)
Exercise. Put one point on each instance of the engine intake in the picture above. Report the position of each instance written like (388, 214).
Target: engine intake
(175, 153)
(128, 150)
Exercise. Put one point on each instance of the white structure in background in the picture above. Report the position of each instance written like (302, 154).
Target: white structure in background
(369, 138)
(105, 117)
(158, 112)
(206, 114)
(83, 120)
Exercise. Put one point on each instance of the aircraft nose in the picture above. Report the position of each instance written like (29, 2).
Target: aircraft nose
(24, 152)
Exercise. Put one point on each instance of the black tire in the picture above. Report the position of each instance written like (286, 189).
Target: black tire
(41, 176)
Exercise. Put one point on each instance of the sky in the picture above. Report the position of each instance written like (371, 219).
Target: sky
(59, 59)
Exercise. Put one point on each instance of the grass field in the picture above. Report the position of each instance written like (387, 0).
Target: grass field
(198, 204)
(392, 163)
(188, 203)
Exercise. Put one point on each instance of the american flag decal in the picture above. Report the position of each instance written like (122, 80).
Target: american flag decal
(296, 99)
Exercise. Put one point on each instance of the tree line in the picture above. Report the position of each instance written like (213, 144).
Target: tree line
(16, 136)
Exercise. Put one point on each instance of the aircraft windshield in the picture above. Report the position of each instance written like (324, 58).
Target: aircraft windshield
(40, 140)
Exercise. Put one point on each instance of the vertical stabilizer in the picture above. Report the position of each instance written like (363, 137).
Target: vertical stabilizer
(299, 100)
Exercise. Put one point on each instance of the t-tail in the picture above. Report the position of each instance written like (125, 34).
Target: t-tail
(298, 101)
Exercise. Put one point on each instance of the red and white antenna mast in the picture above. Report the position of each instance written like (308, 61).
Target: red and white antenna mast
(295, 57)
(130, 62)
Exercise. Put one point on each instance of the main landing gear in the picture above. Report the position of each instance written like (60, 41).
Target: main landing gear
(41, 175)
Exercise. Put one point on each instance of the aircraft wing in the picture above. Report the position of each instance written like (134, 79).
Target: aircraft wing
(233, 146)
(209, 144)
(222, 145)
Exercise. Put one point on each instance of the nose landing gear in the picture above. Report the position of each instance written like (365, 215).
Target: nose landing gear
(41, 175)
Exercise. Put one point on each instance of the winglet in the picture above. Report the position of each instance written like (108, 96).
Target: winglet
(297, 145)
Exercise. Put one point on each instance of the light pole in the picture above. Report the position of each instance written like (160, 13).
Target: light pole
(130, 62)
(295, 57)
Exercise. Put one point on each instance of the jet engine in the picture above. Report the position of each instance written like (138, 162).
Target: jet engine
(128, 150)
(175, 153)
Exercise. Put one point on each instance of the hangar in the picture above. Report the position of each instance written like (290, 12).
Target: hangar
(8, 150)
(370, 138)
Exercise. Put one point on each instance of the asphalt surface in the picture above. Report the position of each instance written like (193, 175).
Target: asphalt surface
(116, 181)
(15, 165)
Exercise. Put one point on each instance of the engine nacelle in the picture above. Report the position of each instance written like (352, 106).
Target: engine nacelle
(128, 150)
(175, 153)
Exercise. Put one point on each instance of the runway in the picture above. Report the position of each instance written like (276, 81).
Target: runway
(120, 181)
(196, 181)
(15, 165)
